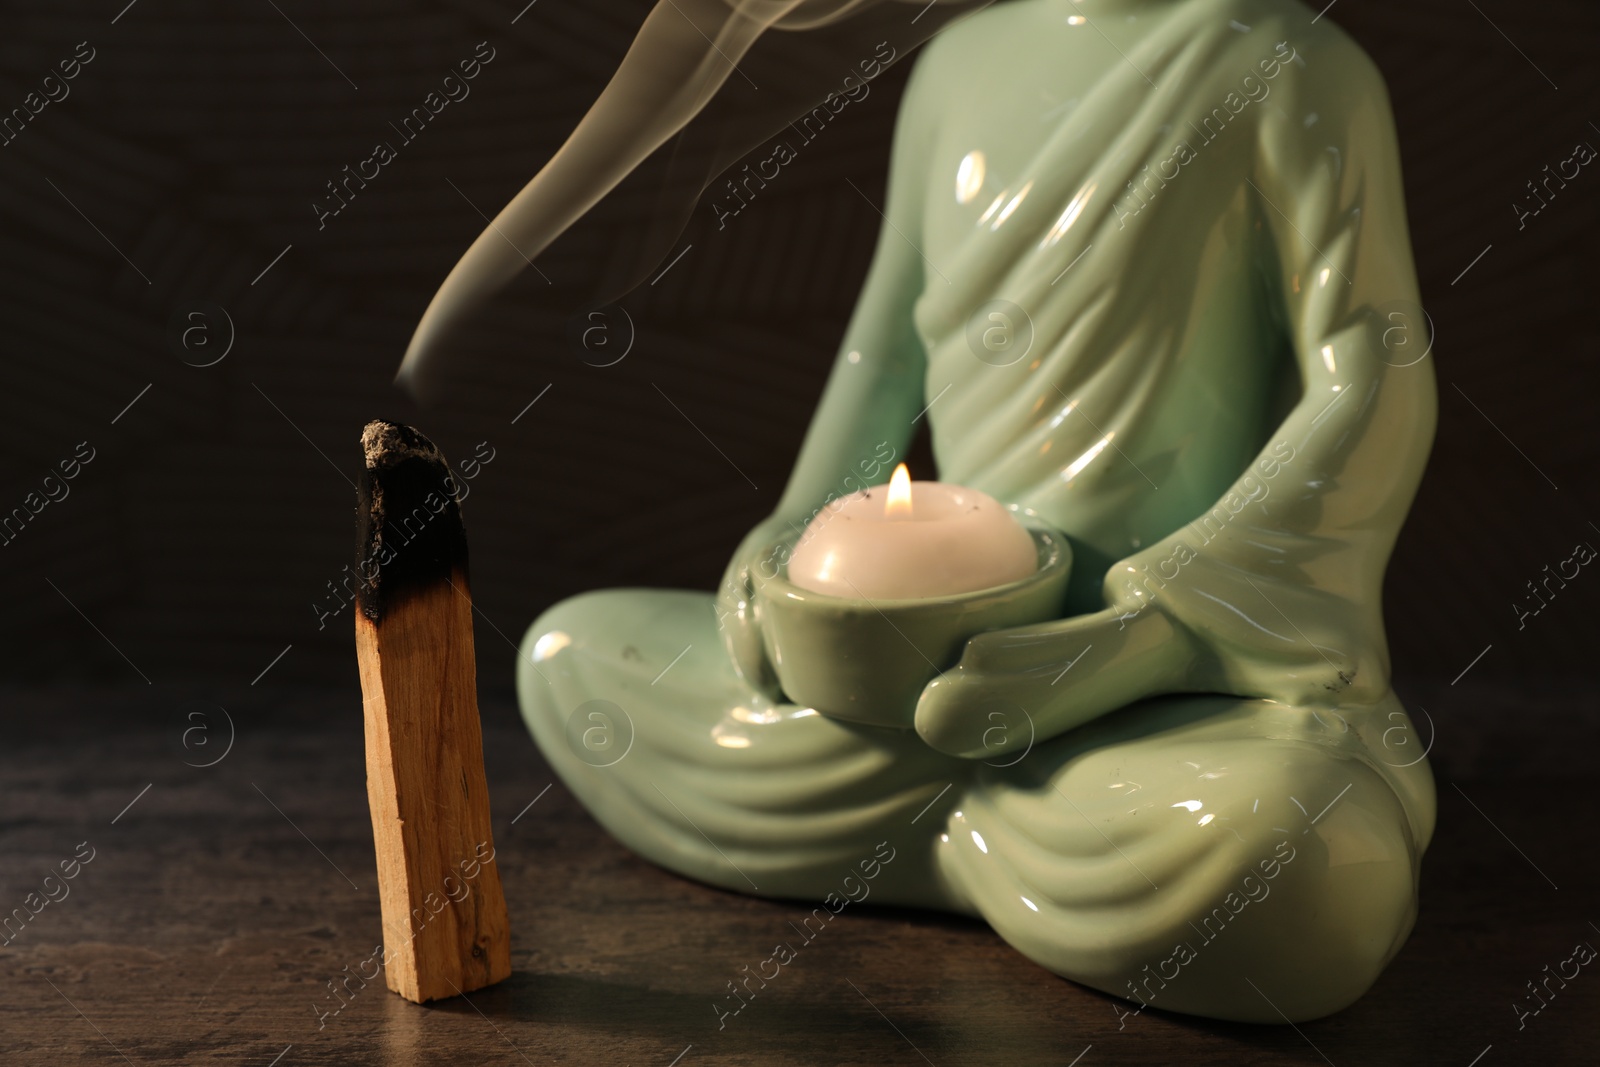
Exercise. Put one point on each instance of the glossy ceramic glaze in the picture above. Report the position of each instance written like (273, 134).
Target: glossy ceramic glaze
(868, 660)
(1200, 792)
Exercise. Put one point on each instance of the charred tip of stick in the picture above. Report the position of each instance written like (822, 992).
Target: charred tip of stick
(388, 443)
(409, 534)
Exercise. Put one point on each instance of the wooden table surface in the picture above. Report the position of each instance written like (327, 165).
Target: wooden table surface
(220, 902)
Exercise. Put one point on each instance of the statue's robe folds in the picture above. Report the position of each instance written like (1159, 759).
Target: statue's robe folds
(1207, 246)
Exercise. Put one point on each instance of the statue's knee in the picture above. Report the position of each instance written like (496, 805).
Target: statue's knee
(1317, 909)
(558, 633)
(572, 625)
(576, 615)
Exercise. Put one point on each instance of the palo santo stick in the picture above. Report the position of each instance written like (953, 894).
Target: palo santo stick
(445, 929)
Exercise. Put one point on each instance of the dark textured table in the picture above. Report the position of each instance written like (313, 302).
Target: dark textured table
(220, 901)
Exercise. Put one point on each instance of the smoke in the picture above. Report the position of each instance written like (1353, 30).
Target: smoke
(703, 83)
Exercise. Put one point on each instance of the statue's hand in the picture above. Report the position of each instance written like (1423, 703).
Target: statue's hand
(1223, 623)
(736, 618)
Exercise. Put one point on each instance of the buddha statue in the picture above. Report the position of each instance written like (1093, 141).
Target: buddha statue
(1144, 271)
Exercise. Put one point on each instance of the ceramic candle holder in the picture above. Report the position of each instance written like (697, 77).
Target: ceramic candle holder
(867, 661)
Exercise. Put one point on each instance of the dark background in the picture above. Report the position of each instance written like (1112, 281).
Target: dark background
(193, 548)
(209, 524)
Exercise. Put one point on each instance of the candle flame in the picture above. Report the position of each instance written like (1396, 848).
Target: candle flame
(898, 506)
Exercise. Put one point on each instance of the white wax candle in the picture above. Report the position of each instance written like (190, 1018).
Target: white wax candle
(910, 540)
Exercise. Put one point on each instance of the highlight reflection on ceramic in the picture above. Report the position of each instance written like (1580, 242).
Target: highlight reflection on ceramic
(1139, 275)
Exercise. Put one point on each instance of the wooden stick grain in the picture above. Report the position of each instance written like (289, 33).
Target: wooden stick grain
(445, 926)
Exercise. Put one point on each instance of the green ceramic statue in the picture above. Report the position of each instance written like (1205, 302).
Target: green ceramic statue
(1145, 272)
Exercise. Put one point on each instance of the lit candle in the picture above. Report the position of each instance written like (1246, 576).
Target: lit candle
(912, 540)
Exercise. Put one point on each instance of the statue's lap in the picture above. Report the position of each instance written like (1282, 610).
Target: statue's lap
(1095, 853)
